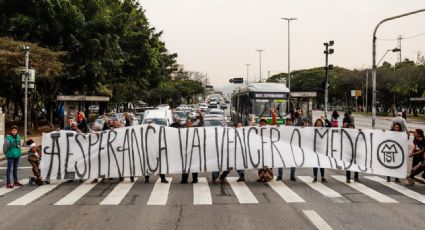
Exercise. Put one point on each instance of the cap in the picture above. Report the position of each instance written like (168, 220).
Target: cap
(33, 145)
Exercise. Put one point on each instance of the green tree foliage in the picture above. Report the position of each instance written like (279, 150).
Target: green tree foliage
(110, 48)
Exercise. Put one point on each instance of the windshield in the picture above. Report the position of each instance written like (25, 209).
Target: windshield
(157, 121)
(216, 112)
(261, 107)
(181, 115)
(213, 123)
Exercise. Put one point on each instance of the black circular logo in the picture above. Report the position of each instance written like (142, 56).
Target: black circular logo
(390, 154)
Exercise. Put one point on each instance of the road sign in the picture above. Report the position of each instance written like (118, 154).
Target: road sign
(356, 93)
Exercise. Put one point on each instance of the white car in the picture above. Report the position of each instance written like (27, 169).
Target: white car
(203, 107)
(163, 106)
(158, 116)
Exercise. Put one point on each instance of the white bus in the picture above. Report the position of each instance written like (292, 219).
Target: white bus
(256, 99)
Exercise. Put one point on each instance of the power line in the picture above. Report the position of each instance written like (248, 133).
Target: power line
(395, 39)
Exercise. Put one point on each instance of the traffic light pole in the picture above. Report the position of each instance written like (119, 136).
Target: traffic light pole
(327, 79)
(26, 76)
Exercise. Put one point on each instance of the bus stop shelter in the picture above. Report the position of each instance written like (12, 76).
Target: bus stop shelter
(74, 103)
(304, 101)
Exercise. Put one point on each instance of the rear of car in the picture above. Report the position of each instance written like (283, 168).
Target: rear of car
(158, 117)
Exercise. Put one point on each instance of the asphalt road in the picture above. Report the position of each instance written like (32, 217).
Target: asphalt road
(373, 204)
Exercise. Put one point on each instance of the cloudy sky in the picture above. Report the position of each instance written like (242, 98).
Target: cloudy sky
(218, 37)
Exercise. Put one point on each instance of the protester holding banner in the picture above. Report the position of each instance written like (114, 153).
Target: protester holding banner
(240, 172)
(334, 119)
(185, 176)
(288, 122)
(12, 151)
(397, 127)
(266, 174)
(348, 172)
(34, 159)
(319, 124)
(418, 154)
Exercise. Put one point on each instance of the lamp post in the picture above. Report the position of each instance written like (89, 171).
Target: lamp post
(259, 52)
(289, 59)
(374, 60)
(247, 72)
(327, 68)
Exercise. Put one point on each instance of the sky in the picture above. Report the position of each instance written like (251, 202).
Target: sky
(219, 37)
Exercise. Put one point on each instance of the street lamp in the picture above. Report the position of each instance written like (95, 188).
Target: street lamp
(327, 68)
(393, 50)
(374, 60)
(289, 59)
(260, 51)
(247, 72)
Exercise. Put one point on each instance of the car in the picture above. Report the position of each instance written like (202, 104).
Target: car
(163, 106)
(158, 116)
(100, 120)
(214, 120)
(182, 116)
(182, 107)
(140, 117)
(203, 107)
(216, 111)
(213, 104)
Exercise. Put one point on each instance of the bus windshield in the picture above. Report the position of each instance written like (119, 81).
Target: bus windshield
(261, 107)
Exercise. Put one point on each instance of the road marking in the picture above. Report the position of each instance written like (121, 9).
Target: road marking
(366, 190)
(401, 189)
(77, 193)
(201, 192)
(23, 167)
(285, 192)
(118, 193)
(317, 220)
(159, 194)
(320, 187)
(34, 194)
(242, 191)
(4, 190)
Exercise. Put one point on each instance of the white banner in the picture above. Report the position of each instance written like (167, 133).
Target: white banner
(146, 149)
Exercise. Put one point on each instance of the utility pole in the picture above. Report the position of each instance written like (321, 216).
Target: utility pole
(289, 59)
(247, 72)
(260, 51)
(399, 47)
(26, 76)
(367, 88)
(327, 68)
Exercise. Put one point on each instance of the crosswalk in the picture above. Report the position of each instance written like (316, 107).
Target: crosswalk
(203, 194)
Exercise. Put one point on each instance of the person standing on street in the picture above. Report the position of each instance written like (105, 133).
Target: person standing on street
(348, 172)
(266, 174)
(185, 176)
(12, 151)
(240, 172)
(334, 119)
(34, 159)
(288, 122)
(397, 127)
(401, 121)
(319, 124)
(351, 118)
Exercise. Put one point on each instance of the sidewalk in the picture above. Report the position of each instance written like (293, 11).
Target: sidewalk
(390, 118)
(37, 140)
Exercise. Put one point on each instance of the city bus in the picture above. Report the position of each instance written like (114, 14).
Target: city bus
(255, 100)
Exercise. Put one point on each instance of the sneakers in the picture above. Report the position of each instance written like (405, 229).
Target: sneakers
(9, 186)
(132, 179)
(165, 181)
(397, 180)
(356, 180)
(315, 180)
(17, 184)
(278, 178)
(388, 179)
(324, 180)
(240, 179)
(348, 181)
(293, 178)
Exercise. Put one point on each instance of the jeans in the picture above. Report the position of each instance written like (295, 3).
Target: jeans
(12, 163)
(322, 172)
(280, 172)
(241, 173)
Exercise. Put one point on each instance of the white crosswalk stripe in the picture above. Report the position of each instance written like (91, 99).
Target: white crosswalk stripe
(4, 190)
(77, 193)
(399, 188)
(320, 187)
(285, 192)
(317, 220)
(34, 194)
(242, 192)
(118, 193)
(201, 192)
(367, 191)
(159, 195)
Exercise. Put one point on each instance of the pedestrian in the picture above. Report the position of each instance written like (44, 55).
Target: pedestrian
(288, 122)
(12, 151)
(185, 176)
(127, 119)
(82, 122)
(419, 168)
(74, 127)
(418, 149)
(346, 121)
(68, 126)
(319, 124)
(348, 172)
(266, 174)
(216, 175)
(334, 119)
(34, 158)
(401, 121)
(397, 127)
(241, 172)
(351, 118)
